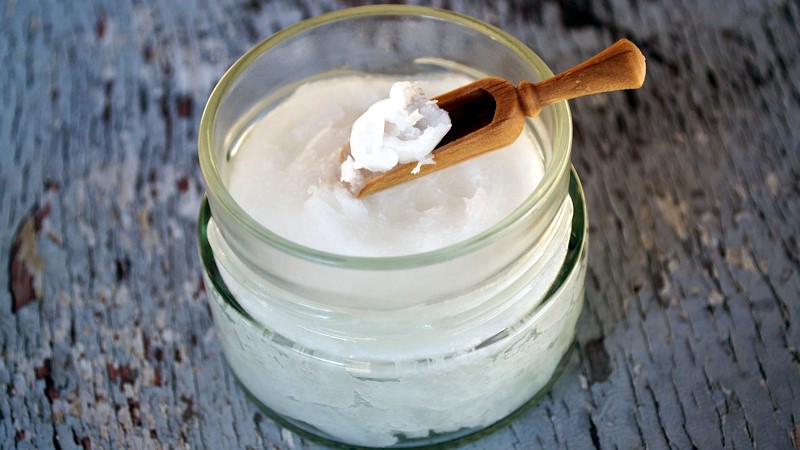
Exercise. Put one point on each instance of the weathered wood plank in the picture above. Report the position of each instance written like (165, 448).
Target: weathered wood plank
(691, 330)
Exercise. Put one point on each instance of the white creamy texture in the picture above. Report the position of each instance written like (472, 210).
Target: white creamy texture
(285, 174)
(403, 128)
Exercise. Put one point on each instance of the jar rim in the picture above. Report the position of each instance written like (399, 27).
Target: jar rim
(562, 142)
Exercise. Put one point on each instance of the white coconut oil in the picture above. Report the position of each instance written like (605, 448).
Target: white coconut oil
(285, 174)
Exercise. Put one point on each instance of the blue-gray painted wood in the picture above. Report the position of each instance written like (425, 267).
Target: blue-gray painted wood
(691, 331)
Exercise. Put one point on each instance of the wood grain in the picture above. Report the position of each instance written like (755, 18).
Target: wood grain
(691, 328)
(619, 67)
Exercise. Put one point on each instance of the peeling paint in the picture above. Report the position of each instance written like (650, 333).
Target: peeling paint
(26, 266)
(674, 214)
(740, 258)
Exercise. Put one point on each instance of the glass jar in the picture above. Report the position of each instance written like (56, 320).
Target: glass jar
(391, 351)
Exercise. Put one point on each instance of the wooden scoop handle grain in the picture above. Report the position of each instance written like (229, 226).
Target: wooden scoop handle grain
(489, 113)
(619, 67)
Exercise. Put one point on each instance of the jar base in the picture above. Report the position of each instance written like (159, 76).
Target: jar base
(438, 440)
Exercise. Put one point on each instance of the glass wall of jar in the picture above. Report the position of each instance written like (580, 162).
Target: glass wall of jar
(401, 350)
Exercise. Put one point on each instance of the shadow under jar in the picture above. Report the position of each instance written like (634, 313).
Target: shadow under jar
(392, 351)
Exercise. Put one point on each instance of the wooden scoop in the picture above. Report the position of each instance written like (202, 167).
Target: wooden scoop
(489, 114)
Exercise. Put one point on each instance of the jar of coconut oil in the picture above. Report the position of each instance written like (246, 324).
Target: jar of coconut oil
(418, 315)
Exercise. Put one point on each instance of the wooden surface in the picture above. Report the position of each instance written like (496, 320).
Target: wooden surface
(691, 331)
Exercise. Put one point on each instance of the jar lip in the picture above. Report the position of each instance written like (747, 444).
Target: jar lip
(562, 142)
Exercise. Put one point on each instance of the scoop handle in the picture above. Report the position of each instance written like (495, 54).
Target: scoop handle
(618, 67)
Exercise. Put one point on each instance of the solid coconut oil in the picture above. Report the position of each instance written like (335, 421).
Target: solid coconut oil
(285, 174)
